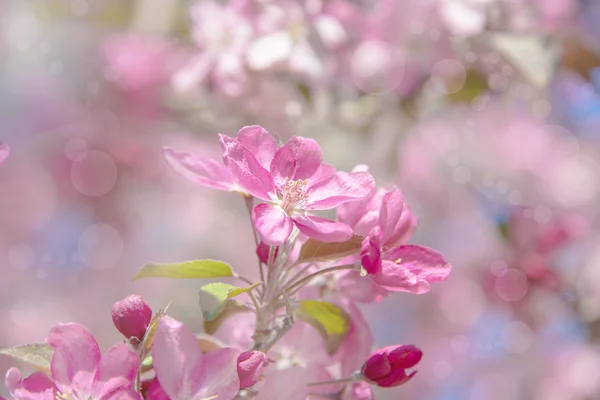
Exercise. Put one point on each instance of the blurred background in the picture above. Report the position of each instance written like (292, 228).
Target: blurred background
(485, 113)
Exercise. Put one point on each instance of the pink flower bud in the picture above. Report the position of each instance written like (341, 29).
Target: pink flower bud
(262, 251)
(386, 367)
(250, 366)
(131, 316)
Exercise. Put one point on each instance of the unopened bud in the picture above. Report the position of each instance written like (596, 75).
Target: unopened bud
(131, 316)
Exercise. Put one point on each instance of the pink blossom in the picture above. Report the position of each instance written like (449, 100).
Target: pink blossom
(38, 386)
(358, 391)
(387, 367)
(389, 263)
(290, 382)
(131, 316)
(185, 373)
(250, 366)
(296, 182)
(4, 151)
(222, 33)
(80, 373)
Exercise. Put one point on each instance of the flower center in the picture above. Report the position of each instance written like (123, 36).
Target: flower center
(293, 195)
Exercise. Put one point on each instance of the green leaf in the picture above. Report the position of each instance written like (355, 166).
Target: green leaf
(37, 355)
(214, 295)
(328, 319)
(230, 309)
(147, 364)
(314, 250)
(474, 85)
(196, 269)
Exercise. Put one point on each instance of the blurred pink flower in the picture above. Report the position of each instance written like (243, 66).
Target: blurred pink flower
(387, 367)
(38, 386)
(298, 181)
(222, 33)
(80, 373)
(291, 381)
(185, 373)
(358, 391)
(4, 152)
(131, 316)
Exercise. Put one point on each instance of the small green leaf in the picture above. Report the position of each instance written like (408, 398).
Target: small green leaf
(146, 364)
(196, 269)
(37, 355)
(328, 319)
(231, 308)
(465, 92)
(214, 295)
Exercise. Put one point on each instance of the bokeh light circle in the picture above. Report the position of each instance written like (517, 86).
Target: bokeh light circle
(95, 174)
(377, 67)
(100, 246)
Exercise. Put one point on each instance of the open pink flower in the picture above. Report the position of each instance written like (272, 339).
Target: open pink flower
(184, 373)
(387, 367)
(4, 151)
(38, 386)
(296, 182)
(80, 373)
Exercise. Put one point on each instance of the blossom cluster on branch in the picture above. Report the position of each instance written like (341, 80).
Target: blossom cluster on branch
(303, 335)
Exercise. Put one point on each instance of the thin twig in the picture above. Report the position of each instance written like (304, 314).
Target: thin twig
(310, 277)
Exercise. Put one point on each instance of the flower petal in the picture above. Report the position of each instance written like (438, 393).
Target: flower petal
(37, 386)
(259, 142)
(413, 269)
(75, 359)
(4, 151)
(245, 168)
(219, 375)
(116, 372)
(291, 381)
(403, 230)
(370, 251)
(322, 229)
(338, 189)
(192, 73)
(124, 395)
(177, 358)
(392, 206)
(360, 289)
(426, 263)
(354, 212)
(200, 170)
(299, 158)
(273, 225)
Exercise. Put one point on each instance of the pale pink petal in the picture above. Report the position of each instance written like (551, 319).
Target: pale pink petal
(413, 268)
(426, 263)
(200, 170)
(38, 386)
(355, 287)
(177, 358)
(192, 73)
(259, 142)
(358, 342)
(219, 375)
(299, 158)
(397, 278)
(124, 395)
(75, 359)
(155, 392)
(4, 151)
(359, 391)
(291, 381)
(325, 171)
(352, 212)
(338, 189)
(116, 372)
(322, 229)
(403, 230)
(245, 168)
(392, 206)
(370, 251)
(273, 225)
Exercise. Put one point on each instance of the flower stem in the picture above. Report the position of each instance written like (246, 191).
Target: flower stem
(298, 284)
(352, 378)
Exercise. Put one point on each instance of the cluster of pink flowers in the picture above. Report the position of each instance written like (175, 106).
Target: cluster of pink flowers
(300, 334)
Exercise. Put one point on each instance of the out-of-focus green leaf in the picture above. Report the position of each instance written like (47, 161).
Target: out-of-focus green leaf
(213, 297)
(37, 355)
(328, 319)
(196, 269)
(230, 309)
(475, 85)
